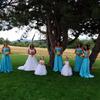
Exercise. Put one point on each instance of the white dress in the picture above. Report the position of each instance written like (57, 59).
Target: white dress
(66, 70)
(30, 64)
(40, 69)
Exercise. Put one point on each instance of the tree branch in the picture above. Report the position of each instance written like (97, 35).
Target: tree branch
(36, 27)
(7, 4)
(76, 37)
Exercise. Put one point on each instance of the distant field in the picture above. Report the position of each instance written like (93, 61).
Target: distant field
(41, 51)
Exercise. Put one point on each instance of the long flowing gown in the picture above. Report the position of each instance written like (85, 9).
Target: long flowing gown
(30, 64)
(78, 60)
(85, 70)
(58, 62)
(40, 69)
(6, 65)
(66, 70)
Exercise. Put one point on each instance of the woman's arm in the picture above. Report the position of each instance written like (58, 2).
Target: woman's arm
(54, 50)
(2, 50)
(35, 51)
(88, 53)
(82, 55)
(76, 51)
(9, 50)
(61, 50)
(29, 51)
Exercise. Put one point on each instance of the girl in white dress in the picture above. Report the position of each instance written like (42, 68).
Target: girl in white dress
(31, 62)
(41, 68)
(66, 70)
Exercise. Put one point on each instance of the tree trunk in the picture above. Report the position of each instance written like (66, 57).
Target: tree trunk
(95, 52)
(51, 43)
(54, 34)
(51, 55)
(50, 50)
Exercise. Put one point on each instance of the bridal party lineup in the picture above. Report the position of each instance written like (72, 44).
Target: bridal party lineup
(38, 67)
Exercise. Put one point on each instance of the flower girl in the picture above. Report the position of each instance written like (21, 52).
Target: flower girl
(41, 68)
(66, 70)
(31, 62)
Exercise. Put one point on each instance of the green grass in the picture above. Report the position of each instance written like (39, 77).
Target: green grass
(21, 85)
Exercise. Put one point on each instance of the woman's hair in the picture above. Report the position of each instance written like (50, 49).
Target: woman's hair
(59, 43)
(31, 46)
(79, 45)
(86, 47)
(5, 44)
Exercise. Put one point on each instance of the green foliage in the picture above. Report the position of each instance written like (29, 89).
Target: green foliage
(84, 42)
(21, 44)
(40, 43)
(37, 43)
(1, 40)
(43, 43)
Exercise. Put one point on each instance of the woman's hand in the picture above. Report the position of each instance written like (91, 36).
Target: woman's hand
(82, 55)
(32, 53)
(58, 53)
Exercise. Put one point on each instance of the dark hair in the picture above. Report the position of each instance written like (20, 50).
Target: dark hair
(87, 47)
(59, 43)
(5, 44)
(79, 45)
(31, 46)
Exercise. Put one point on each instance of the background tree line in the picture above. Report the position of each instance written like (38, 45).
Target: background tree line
(43, 44)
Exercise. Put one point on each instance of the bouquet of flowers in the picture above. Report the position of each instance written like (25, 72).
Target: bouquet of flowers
(82, 55)
(6, 53)
(58, 53)
(77, 53)
(32, 52)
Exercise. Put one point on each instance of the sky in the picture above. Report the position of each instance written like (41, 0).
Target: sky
(15, 34)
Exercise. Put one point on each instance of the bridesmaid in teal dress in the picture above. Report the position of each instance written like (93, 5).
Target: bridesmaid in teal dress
(85, 70)
(5, 64)
(78, 58)
(58, 62)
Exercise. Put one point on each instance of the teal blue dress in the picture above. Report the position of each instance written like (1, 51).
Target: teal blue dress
(85, 70)
(5, 64)
(78, 60)
(58, 62)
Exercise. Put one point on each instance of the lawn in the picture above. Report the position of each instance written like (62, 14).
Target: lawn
(20, 85)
